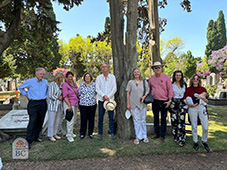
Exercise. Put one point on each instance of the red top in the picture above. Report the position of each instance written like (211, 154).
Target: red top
(161, 87)
(192, 90)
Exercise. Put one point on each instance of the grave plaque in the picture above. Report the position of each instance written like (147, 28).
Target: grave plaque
(20, 149)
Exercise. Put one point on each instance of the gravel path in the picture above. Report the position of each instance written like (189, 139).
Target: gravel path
(211, 161)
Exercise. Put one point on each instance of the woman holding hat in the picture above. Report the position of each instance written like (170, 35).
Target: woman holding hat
(135, 98)
(87, 105)
(197, 107)
(55, 106)
(70, 102)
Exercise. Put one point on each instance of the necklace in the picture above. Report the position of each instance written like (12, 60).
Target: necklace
(137, 82)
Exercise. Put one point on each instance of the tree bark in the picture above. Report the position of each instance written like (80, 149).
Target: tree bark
(8, 37)
(154, 43)
(124, 59)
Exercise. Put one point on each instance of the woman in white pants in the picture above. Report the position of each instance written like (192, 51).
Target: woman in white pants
(70, 102)
(135, 98)
(55, 108)
(197, 108)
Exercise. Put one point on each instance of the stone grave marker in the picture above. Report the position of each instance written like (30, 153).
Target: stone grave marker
(15, 121)
(20, 149)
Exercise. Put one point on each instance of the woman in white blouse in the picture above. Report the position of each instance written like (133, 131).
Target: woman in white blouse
(177, 109)
(55, 106)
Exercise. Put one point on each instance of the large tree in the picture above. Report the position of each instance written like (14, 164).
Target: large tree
(36, 44)
(125, 55)
(10, 16)
(216, 35)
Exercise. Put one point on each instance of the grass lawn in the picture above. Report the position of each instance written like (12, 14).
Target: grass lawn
(87, 147)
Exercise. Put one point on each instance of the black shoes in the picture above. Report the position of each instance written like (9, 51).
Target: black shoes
(82, 136)
(196, 146)
(91, 136)
(154, 137)
(206, 147)
(38, 140)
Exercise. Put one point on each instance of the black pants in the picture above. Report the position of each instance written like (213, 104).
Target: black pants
(36, 111)
(87, 114)
(158, 106)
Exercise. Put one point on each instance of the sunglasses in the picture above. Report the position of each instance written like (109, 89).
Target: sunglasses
(158, 67)
(195, 79)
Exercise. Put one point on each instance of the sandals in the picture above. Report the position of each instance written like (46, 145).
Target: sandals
(146, 140)
(136, 141)
(181, 143)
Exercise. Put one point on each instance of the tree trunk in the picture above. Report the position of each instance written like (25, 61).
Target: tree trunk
(124, 59)
(154, 43)
(6, 38)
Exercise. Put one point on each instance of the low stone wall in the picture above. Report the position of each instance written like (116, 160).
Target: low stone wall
(217, 102)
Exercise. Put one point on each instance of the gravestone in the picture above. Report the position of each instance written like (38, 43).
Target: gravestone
(14, 122)
(20, 149)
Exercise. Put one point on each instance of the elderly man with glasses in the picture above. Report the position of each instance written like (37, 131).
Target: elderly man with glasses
(162, 91)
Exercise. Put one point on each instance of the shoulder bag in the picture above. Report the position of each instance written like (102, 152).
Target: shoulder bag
(149, 98)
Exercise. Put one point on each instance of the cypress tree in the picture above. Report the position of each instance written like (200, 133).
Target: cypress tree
(221, 29)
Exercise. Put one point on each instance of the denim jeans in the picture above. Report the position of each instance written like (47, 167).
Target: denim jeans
(156, 108)
(101, 116)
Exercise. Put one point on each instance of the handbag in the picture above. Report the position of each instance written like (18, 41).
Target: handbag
(69, 115)
(149, 98)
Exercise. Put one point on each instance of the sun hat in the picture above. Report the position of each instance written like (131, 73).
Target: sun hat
(109, 105)
(157, 63)
(128, 114)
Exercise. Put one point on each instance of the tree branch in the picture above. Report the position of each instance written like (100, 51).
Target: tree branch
(4, 3)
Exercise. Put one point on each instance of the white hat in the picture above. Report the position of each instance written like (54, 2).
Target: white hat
(157, 63)
(109, 105)
(189, 100)
(128, 114)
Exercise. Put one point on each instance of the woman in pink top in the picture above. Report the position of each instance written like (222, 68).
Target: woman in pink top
(71, 98)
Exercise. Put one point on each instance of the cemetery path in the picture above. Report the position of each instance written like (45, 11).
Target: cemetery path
(212, 160)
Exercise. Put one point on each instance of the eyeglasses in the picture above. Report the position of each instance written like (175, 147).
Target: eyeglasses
(195, 79)
(158, 67)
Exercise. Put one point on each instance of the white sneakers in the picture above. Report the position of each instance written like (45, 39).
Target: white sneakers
(70, 139)
(57, 137)
(52, 139)
(74, 135)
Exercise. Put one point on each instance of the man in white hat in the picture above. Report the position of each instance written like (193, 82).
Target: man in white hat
(106, 88)
(162, 91)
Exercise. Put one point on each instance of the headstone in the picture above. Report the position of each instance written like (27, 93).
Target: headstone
(20, 149)
(23, 102)
(15, 121)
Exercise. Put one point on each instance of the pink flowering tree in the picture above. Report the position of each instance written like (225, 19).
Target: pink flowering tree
(218, 61)
(63, 70)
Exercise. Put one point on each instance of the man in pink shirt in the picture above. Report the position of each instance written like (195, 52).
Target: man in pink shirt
(162, 91)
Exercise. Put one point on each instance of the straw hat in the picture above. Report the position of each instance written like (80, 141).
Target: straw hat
(157, 63)
(109, 105)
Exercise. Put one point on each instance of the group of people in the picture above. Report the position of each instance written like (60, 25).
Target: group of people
(174, 97)
(62, 97)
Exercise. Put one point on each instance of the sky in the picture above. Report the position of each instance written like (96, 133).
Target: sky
(89, 19)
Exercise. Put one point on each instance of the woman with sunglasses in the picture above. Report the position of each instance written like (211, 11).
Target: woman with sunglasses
(197, 107)
(177, 109)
